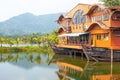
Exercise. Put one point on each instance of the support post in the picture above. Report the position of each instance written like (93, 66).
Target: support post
(111, 60)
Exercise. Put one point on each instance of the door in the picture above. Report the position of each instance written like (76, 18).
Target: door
(91, 39)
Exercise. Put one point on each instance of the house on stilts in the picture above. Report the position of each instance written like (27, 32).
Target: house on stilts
(90, 30)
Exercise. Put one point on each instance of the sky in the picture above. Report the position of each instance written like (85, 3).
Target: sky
(10, 8)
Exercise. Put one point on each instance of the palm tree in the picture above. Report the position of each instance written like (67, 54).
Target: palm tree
(31, 40)
(39, 41)
(9, 41)
(53, 37)
(17, 40)
(1, 40)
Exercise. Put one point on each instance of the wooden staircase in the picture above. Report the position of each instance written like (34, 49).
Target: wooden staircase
(88, 51)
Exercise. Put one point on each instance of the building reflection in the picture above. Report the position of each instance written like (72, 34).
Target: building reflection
(106, 77)
(70, 69)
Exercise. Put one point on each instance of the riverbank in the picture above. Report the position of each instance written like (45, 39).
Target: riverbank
(44, 49)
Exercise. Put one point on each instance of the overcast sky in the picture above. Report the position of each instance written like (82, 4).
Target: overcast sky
(10, 8)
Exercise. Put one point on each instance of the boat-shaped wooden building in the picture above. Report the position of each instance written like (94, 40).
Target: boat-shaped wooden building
(90, 29)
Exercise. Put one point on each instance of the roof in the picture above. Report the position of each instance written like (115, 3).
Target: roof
(101, 24)
(93, 7)
(72, 11)
(73, 34)
(60, 18)
(114, 7)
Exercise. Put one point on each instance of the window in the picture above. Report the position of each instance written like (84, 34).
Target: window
(78, 17)
(97, 9)
(98, 18)
(116, 16)
(98, 36)
(83, 20)
(105, 36)
(92, 19)
(106, 16)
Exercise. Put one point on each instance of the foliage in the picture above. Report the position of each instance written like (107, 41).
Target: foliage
(40, 39)
(17, 40)
(111, 2)
(9, 41)
(1, 40)
(53, 37)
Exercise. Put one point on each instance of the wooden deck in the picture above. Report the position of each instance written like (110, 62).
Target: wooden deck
(69, 46)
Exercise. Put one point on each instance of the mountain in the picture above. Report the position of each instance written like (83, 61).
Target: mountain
(28, 23)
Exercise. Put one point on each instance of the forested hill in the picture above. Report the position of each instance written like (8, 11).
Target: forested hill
(28, 23)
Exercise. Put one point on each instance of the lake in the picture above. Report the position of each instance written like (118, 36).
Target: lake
(19, 45)
(43, 66)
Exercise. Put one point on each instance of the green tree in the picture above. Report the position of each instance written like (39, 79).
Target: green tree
(31, 40)
(9, 41)
(1, 40)
(39, 41)
(53, 37)
(111, 2)
(17, 40)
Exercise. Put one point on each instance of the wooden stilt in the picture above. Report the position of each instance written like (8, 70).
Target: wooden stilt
(70, 53)
(111, 61)
(82, 55)
(74, 53)
(111, 55)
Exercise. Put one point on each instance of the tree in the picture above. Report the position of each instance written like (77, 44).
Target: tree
(1, 40)
(39, 41)
(9, 41)
(17, 40)
(53, 37)
(111, 2)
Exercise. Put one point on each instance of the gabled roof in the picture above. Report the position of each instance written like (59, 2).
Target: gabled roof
(61, 29)
(102, 25)
(93, 7)
(72, 11)
(60, 18)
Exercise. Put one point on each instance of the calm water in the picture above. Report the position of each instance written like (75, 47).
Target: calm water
(39, 66)
(19, 45)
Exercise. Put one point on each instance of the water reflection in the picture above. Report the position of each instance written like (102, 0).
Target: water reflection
(67, 70)
(38, 66)
(27, 66)
(29, 57)
(83, 70)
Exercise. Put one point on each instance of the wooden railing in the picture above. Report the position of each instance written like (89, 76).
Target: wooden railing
(88, 51)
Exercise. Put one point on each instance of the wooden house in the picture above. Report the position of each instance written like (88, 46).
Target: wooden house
(96, 26)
